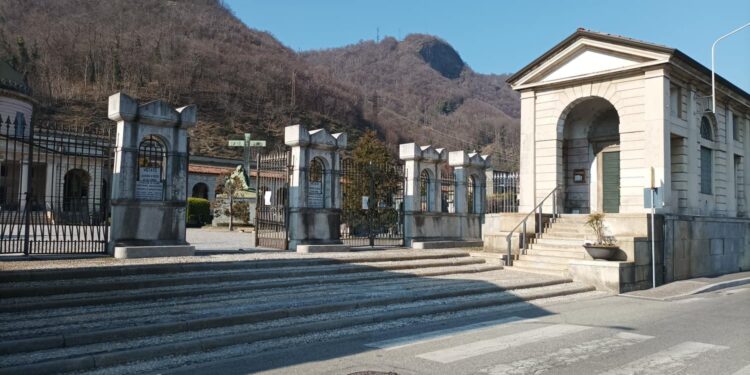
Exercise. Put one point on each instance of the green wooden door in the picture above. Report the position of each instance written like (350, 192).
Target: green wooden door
(611, 181)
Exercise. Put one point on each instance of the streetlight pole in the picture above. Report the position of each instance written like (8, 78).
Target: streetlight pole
(713, 63)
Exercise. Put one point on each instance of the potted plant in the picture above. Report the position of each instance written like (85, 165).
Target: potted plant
(604, 247)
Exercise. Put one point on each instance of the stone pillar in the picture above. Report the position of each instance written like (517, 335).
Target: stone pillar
(730, 167)
(315, 204)
(466, 165)
(418, 159)
(527, 177)
(149, 178)
(656, 141)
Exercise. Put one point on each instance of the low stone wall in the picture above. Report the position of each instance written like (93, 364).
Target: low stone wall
(220, 206)
(438, 226)
(698, 246)
(496, 227)
(314, 226)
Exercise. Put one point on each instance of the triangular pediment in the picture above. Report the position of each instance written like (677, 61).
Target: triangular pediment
(586, 57)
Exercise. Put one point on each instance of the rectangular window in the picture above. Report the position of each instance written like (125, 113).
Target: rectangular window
(736, 127)
(706, 170)
(675, 100)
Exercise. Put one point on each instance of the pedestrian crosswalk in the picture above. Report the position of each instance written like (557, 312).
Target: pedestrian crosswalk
(566, 345)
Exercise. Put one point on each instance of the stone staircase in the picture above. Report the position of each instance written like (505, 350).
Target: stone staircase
(562, 241)
(163, 316)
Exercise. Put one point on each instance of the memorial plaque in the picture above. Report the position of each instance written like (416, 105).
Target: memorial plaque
(149, 186)
(315, 194)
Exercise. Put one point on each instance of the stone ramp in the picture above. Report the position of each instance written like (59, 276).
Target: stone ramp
(146, 312)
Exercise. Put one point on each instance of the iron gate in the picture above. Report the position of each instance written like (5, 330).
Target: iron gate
(54, 188)
(272, 208)
(373, 204)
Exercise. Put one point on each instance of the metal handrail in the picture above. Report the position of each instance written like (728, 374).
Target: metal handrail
(538, 229)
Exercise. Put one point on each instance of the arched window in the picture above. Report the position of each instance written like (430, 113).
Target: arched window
(471, 189)
(447, 189)
(707, 160)
(200, 190)
(707, 131)
(425, 189)
(76, 190)
(316, 185)
(152, 154)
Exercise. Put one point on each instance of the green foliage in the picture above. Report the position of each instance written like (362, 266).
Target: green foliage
(372, 173)
(198, 211)
(595, 221)
(241, 211)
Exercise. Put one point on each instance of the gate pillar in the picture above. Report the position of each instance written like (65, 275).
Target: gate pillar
(149, 180)
(470, 170)
(315, 189)
(421, 190)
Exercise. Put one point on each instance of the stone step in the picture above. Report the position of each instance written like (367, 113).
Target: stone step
(196, 266)
(567, 236)
(544, 259)
(540, 264)
(70, 286)
(543, 271)
(446, 244)
(559, 243)
(102, 297)
(233, 321)
(557, 253)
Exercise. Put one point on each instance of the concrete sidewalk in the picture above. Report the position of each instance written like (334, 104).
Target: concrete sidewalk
(684, 288)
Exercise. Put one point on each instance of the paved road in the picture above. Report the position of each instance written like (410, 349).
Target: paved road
(701, 334)
(219, 239)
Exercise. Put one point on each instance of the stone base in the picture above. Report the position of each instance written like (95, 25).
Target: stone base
(610, 276)
(329, 248)
(125, 252)
(445, 244)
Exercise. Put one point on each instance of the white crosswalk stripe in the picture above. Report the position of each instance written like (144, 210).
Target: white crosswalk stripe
(422, 338)
(568, 355)
(501, 343)
(666, 361)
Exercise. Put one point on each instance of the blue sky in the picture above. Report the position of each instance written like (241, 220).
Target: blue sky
(503, 36)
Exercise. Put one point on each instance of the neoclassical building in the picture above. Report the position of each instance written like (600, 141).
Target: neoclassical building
(603, 117)
(598, 111)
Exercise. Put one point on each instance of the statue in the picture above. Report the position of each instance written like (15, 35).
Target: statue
(240, 176)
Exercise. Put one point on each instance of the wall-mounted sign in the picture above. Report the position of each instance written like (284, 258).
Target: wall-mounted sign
(579, 175)
(149, 186)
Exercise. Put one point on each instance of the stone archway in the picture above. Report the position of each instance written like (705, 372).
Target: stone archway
(590, 156)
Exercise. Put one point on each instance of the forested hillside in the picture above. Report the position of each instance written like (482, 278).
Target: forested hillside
(75, 53)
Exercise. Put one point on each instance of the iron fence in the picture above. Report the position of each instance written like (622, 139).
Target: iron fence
(502, 195)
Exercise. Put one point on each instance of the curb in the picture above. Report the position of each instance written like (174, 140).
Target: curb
(209, 343)
(704, 289)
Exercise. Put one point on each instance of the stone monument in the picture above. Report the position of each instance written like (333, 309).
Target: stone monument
(149, 180)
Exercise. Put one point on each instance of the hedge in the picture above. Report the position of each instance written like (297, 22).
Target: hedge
(198, 211)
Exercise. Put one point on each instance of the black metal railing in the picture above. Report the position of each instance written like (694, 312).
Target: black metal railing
(538, 210)
(503, 192)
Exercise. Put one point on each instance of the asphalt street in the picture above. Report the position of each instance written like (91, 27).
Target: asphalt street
(706, 333)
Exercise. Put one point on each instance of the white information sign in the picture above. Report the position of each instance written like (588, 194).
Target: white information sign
(149, 186)
(267, 197)
(365, 202)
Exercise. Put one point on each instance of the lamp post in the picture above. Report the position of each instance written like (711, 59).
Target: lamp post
(713, 60)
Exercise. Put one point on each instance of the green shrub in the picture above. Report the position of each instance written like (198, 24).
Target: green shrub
(198, 211)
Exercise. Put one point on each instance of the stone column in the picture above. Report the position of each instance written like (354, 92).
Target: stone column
(656, 141)
(527, 177)
(466, 165)
(149, 191)
(418, 159)
(315, 210)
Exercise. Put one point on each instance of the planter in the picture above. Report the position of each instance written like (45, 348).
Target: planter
(604, 252)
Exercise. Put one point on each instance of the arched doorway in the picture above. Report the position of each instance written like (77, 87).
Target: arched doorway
(591, 157)
(200, 190)
(76, 191)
